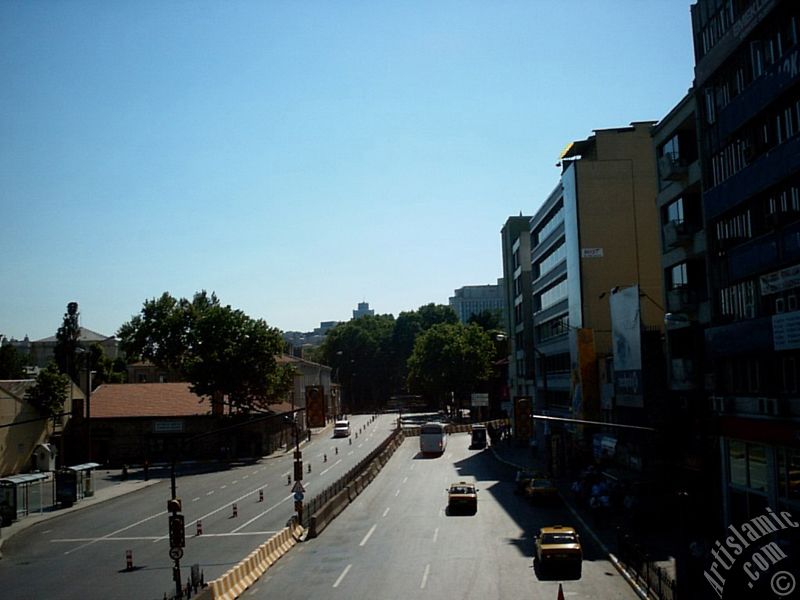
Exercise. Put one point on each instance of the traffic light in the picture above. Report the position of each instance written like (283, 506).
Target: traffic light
(177, 534)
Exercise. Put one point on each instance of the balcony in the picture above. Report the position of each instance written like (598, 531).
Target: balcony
(676, 233)
(672, 168)
(681, 300)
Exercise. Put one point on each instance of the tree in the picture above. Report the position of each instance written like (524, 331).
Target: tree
(49, 394)
(67, 339)
(218, 349)
(360, 354)
(488, 320)
(11, 363)
(450, 359)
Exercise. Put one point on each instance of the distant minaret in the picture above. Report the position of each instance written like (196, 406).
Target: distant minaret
(363, 310)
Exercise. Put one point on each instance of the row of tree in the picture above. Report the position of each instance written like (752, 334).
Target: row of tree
(426, 352)
(222, 352)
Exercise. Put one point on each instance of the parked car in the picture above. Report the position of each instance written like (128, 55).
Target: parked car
(341, 428)
(462, 496)
(541, 490)
(558, 546)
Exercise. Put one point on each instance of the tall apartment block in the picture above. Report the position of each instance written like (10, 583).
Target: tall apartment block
(516, 242)
(593, 236)
(472, 300)
(747, 89)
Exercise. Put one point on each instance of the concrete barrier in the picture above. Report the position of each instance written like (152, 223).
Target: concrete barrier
(240, 577)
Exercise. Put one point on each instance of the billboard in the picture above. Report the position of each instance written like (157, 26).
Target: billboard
(626, 334)
(315, 406)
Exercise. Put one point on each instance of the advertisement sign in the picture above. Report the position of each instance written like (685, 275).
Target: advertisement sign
(523, 422)
(786, 331)
(315, 406)
(627, 346)
(480, 399)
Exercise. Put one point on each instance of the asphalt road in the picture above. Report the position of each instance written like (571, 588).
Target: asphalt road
(82, 554)
(397, 540)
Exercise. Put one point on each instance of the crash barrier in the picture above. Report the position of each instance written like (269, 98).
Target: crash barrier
(326, 506)
(237, 579)
(460, 427)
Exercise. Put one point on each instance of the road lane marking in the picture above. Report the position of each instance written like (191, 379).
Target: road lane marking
(223, 487)
(235, 482)
(350, 453)
(435, 534)
(405, 480)
(345, 572)
(152, 537)
(425, 576)
(209, 493)
(113, 533)
(397, 493)
(245, 477)
(369, 534)
(329, 468)
(386, 512)
(258, 516)
(195, 499)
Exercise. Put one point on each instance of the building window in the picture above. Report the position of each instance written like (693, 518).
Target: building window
(678, 277)
(553, 295)
(675, 211)
(551, 260)
(789, 473)
(737, 463)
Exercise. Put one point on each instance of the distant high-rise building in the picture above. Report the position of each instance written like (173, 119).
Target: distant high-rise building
(472, 300)
(363, 310)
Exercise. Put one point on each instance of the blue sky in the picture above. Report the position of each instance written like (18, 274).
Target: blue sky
(298, 157)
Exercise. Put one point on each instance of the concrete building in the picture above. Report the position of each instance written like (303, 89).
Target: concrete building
(592, 235)
(516, 241)
(747, 89)
(472, 300)
(363, 310)
(43, 351)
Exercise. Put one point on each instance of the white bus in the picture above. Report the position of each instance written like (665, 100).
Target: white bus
(432, 438)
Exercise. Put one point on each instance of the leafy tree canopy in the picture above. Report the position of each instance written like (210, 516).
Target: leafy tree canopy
(488, 320)
(450, 358)
(218, 349)
(12, 364)
(50, 391)
(67, 338)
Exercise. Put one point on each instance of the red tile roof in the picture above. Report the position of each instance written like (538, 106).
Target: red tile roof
(147, 400)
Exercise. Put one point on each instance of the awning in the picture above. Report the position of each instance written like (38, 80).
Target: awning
(84, 467)
(20, 479)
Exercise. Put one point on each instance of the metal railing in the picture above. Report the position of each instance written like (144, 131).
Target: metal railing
(649, 575)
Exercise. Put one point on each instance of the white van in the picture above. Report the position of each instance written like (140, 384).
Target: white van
(341, 428)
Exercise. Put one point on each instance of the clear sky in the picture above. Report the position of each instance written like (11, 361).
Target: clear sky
(298, 157)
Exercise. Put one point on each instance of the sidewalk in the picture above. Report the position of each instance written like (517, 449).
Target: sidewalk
(605, 530)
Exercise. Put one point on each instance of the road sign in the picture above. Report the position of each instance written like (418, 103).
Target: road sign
(298, 496)
(176, 553)
(298, 488)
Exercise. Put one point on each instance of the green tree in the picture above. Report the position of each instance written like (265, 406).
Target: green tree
(49, 394)
(450, 359)
(360, 354)
(67, 341)
(12, 365)
(488, 320)
(218, 349)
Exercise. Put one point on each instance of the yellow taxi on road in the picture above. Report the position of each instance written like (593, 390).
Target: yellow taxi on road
(559, 546)
(462, 496)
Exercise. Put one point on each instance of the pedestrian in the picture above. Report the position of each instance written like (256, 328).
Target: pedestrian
(146, 469)
(124, 472)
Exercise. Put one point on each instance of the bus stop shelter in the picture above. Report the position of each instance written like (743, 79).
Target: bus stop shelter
(21, 495)
(74, 483)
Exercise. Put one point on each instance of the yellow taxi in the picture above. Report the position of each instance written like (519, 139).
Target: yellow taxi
(462, 496)
(559, 546)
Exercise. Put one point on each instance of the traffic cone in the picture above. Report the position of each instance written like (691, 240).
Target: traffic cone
(129, 560)
(199, 527)
(235, 510)
(560, 593)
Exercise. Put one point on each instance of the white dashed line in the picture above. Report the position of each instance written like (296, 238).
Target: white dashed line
(369, 533)
(435, 534)
(425, 577)
(342, 576)
(386, 512)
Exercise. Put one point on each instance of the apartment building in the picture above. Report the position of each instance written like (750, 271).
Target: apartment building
(516, 242)
(747, 89)
(472, 300)
(593, 235)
